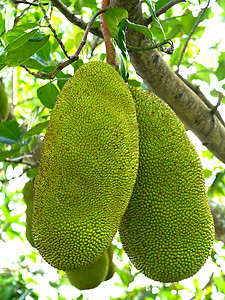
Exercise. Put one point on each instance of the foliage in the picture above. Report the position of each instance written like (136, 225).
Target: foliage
(33, 42)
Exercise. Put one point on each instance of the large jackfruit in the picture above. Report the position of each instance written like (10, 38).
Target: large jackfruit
(28, 198)
(87, 170)
(4, 103)
(167, 230)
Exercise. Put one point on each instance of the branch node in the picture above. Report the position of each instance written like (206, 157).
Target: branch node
(214, 109)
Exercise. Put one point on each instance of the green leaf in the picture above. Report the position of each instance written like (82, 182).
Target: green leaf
(77, 64)
(113, 17)
(10, 130)
(33, 116)
(219, 282)
(158, 33)
(122, 42)
(160, 3)
(20, 40)
(6, 154)
(140, 28)
(207, 173)
(23, 296)
(134, 82)
(62, 81)
(45, 51)
(123, 65)
(47, 94)
(220, 70)
(37, 129)
(2, 59)
(15, 32)
(102, 57)
(207, 154)
(23, 53)
(214, 93)
(125, 275)
(217, 187)
(2, 23)
(188, 21)
(156, 22)
(33, 63)
(152, 11)
(9, 19)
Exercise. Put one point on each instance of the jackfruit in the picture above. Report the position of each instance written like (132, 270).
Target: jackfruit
(167, 230)
(4, 103)
(112, 267)
(28, 198)
(91, 276)
(87, 170)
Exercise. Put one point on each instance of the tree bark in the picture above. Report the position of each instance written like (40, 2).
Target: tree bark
(160, 78)
(218, 212)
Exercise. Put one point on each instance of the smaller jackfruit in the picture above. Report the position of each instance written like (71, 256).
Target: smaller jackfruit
(91, 276)
(28, 198)
(167, 230)
(4, 103)
(112, 267)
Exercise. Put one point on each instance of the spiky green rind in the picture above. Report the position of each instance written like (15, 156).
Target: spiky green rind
(4, 103)
(87, 170)
(91, 276)
(28, 198)
(167, 230)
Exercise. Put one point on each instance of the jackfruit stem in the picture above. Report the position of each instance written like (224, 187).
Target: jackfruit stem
(110, 51)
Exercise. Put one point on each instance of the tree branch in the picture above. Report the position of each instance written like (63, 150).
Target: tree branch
(53, 30)
(160, 78)
(218, 212)
(74, 57)
(73, 19)
(190, 35)
(197, 91)
(164, 9)
(110, 51)
(28, 3)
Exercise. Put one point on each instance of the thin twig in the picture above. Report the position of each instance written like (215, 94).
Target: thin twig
(214, 109)
(53, 30)
(198, 92)
(190, 35)
(167, 41)
(73, 19)
(17, 18)
(163, 9)
(72, 58)
(28, 3)
(84, 39)
(178, 16)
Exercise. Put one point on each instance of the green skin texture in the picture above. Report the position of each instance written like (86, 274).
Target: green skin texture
(93, 275)
(87, 170)
(4, 104)
(167, 230)
(103, 269)
(28, 198)
(90, 277)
